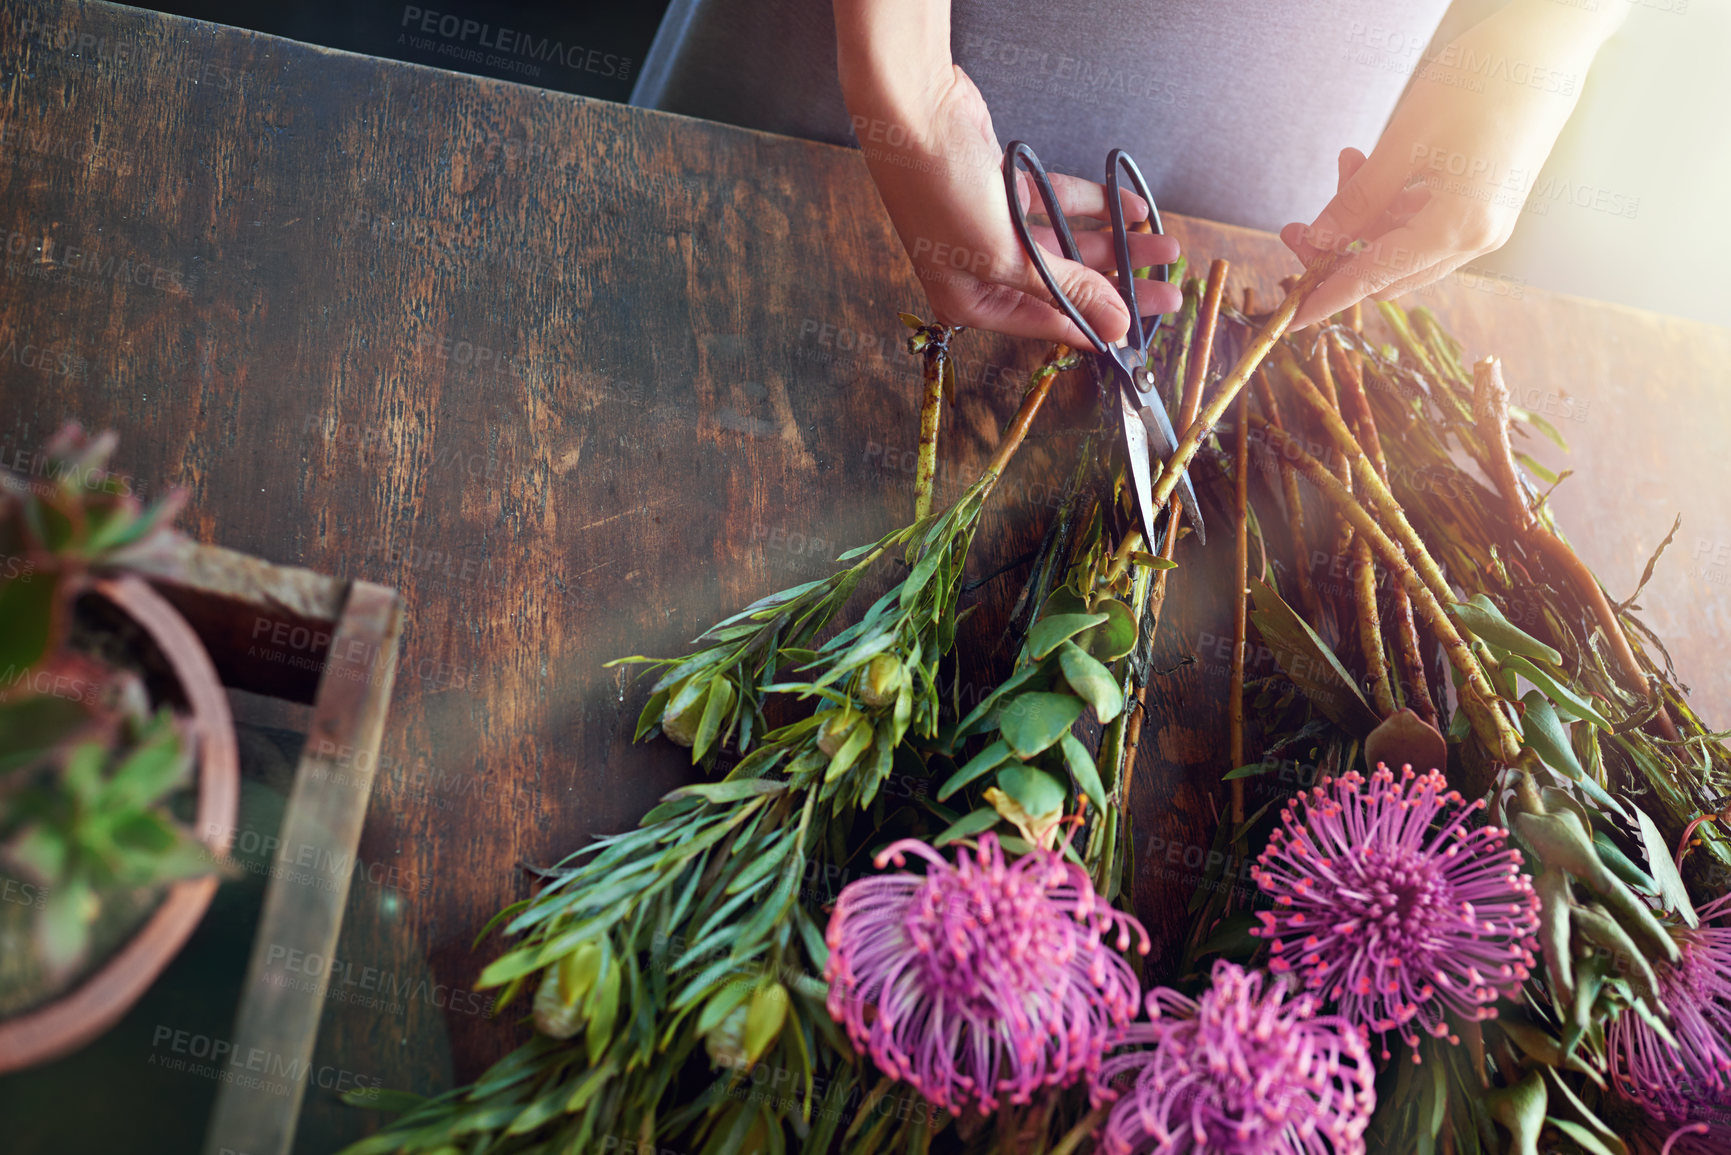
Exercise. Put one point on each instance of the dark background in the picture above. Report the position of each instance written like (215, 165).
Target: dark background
(388, 28)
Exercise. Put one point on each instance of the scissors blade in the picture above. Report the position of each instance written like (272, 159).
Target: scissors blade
(1159, 428)
(1136, 453)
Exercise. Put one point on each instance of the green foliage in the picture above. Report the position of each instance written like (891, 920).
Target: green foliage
(86, 779)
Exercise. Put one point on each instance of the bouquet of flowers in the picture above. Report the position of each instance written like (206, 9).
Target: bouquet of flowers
(1488, 926)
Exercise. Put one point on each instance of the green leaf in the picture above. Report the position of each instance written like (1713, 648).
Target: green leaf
(715, 710)
(1621, 865)
(1565, 698)
(152, 770)
(851, 748)
(1589, 1142)
(30, 610)
(1009, 685)
(1064, 600)
(1521, 1109)
(1252, 770)
(1083, 770)
(967, 826)
(1544, 732)
(1672, 892)
(1483, 618)
(63, 925)
(1091, 681)
(33, 727)
(732, 790)
(378, 1099)
(1038, 792)
(1309, 662)
(43, 851)
(763, 1021)
(1054, 631)
(1115, 637)
(988, 759)
(603, 1009)
(651, 715)
(1033, 721)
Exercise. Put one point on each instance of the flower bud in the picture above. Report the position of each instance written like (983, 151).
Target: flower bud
(684, 710)
(881, 680)
(725, 1042)
(837, 725)
(564, 988)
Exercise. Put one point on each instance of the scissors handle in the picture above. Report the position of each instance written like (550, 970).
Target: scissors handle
(1018, 153)
(1118, 162)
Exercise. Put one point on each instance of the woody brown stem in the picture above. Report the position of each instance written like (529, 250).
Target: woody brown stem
(1038, 387)
(1252, 356)
(1188, 405)
(1191, 399)
(931, 409)
(1370, 625)
(1478, 697)
(1491, 413)
(1376, 490)
(1407, 650)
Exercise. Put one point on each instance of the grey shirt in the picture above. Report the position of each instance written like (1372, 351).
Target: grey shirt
(1235, 110)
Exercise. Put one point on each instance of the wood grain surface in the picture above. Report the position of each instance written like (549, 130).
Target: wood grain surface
(578, 379)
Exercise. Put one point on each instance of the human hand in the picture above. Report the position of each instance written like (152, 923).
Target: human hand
(1447, 181)
(928, 140)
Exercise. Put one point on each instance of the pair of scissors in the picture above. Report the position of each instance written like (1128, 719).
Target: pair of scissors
(1141, 410)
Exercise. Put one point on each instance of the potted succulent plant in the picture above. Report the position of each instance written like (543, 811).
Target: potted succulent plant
(118, 768)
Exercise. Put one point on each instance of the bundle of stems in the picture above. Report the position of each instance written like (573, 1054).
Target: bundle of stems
(1461, 624)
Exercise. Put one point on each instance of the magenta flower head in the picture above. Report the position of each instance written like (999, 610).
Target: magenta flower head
(1683, 1083)
(1242, 1071)
(983, 979)
(1388, 904)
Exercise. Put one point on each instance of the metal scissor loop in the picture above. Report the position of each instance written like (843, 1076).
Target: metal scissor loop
(1142, 412)
(1117, 162)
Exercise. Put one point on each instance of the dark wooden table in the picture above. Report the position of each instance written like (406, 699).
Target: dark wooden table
(578, 379)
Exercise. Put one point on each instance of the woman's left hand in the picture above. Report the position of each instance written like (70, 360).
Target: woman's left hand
(1447, 181)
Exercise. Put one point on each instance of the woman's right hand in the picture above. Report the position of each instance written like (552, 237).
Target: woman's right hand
(928, 141)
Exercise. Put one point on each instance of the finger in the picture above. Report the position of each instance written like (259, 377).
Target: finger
(1406, 204)
(1086, 198)
(1348, 163)
(1092, 295)
(1425, 277)
(1098, 252)
(1001, 309)
(1363, 197)
(1428, 240)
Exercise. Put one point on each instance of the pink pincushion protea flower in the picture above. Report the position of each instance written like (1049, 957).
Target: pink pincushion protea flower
(1241, 1071)
(981, 979)
(1681, 1083)
(1392, 914)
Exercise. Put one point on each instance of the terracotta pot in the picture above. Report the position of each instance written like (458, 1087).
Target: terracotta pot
(73, 1019)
